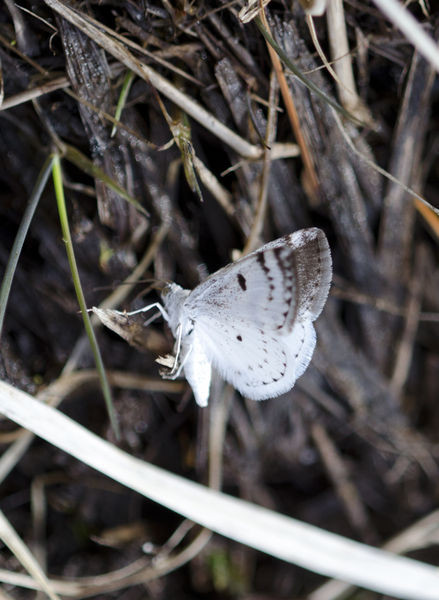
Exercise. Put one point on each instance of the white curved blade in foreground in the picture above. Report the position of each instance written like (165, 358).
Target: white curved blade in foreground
(275, 534)
(411, 28)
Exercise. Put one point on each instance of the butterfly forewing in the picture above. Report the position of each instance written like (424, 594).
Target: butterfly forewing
(272, 287)
(259, 289)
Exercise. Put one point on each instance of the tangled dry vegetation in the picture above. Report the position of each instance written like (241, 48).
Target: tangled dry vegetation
(353, 448)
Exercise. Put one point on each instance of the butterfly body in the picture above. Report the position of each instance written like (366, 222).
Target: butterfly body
(252, 320)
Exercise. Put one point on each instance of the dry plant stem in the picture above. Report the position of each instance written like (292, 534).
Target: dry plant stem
(54, 395)
(11, 436)
(325, 400)
(64, 386)
(135, 574)
(35, 92)
(4, 595)
(352, 295)
(302, 78)
(315, 39)
(217, 430)
(116, 122)
(79, 159)
(288, 150)
(39, 515)
(2, 85)
(345, 489)
(118, 50)
(261, 210)
(340, 53)
(406, 345)
(21, 551)
(292, 114)
(422, 534)
(153, 56)
(431, 218)
(395, 239)
(141, 570)
(242, 53)
(239, 520)
(218, 191)
(45, 88)
(14, 453)
(34, 64)
(379, 169)
(220, 410)
(23, 31)
(412, 29)
(83, 587)
(172, 542)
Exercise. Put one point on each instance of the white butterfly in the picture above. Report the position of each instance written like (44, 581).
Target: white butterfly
(251, 320)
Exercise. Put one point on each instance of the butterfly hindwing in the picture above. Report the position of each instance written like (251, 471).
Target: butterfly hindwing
(197, 370)
(258, 363)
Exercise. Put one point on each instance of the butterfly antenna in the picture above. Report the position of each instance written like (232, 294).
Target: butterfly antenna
(118, 284)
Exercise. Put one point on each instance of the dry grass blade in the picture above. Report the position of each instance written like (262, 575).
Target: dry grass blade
(35, 92)
(411, 28)
(196, 111)
(312, 183)
(21, 551)
(253, 241)
(398, 182)
(54, 394)
(242, 521)
(341, 56)
(420, 535)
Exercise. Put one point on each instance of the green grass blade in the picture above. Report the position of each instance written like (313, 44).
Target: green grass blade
(21, 236)
(59, 191)
(126, 86)
(76, 157)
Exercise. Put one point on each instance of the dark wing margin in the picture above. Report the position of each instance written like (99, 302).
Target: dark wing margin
(313, 266)
(260, 289)
(314, 270)
(285, 280)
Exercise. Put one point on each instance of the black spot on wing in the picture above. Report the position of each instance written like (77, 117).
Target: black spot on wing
(239, 338)
(242, 282)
